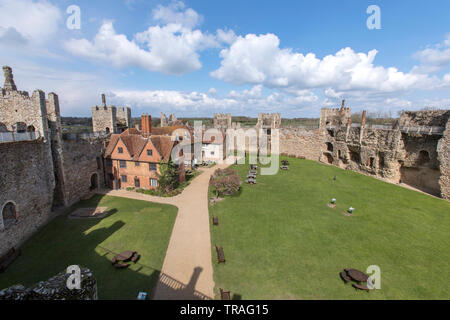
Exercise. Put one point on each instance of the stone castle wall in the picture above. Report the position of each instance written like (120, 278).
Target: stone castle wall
(444, 161)
(301, 142)
(43, 174)
(104, 119)
(82, 159)
(20, 112)
(123, 116)
(27, 180)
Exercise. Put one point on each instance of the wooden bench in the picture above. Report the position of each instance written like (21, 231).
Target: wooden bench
(135, 258)
(220, 255)
(215, 221)
(121, 265)
(360, 287)
(225, 295)
(8, 258)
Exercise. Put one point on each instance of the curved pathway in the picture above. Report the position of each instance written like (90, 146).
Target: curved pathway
(187, 271)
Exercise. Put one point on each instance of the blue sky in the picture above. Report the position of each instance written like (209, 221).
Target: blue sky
(194, 58)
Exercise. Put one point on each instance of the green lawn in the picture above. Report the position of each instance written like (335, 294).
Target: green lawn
(282, 241)
(132, 225)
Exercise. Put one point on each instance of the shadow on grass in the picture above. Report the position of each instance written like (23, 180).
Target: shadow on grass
(64, 242)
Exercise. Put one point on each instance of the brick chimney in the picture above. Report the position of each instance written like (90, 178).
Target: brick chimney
(343, 105)
(103, 100)
(9, 79)
(146, 125)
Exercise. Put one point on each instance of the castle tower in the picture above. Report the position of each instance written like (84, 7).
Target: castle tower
(9, 79)
(104, 118)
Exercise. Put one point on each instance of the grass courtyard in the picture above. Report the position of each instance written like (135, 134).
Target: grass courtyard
(282, 241)
(131, 225)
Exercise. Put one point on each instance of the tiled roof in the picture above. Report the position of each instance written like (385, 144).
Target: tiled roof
(136, 142)
(164, 145)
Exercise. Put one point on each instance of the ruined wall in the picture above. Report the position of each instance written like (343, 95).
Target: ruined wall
(123, 117)
(269, 120)
(222, 121)
(55, 288)
(19, 111)
(27, 180)
(104, 119)
(444, 162)
(82, 159)
(300, 142)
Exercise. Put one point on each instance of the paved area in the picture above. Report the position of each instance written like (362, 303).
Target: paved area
(187, 272)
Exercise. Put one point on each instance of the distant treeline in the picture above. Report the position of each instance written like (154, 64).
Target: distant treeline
(84, 124)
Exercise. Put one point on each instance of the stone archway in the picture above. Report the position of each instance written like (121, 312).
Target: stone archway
(329, 158)
(107, 130)
(94, 182)
(3, 127)
(8, 214)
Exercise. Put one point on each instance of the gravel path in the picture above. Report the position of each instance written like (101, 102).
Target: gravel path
(187, 272)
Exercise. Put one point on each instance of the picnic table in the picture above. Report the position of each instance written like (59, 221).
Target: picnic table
(357, 275)
(124, 256)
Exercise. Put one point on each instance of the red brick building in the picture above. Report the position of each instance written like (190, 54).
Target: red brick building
(132, 158)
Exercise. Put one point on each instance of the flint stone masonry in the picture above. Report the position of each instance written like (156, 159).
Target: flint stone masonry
(269, 121)
(110, 119)
(43, 174)
(222, 121)
(27, 180)
(301, 142)
(55, 288)
(82, 159)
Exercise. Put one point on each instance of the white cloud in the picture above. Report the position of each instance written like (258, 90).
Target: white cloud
(257, 59)
(434, 58)
(174, 13)
(227, 36)
(198, 103)
(172, 48)
(34, 21)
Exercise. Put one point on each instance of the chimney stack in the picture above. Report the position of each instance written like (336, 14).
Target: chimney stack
(146, 125)
(103, 100)
(9, 79)
(343, 104)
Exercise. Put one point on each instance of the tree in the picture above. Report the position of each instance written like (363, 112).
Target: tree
(225, 182)
(168, 177)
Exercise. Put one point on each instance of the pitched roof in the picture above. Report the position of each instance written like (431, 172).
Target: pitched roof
(135, 143)
(164, 145)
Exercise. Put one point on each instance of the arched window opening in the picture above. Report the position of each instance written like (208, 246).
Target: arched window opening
(329, 146)
(94, 182)
(21, 127)
(424, 157)
(9, 214)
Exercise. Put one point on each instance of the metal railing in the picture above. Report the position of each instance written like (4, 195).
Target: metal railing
(18, 136)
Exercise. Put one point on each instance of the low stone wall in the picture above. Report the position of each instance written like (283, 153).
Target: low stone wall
(55, 288)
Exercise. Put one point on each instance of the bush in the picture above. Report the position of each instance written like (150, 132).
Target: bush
(168, 178)
(225, 182)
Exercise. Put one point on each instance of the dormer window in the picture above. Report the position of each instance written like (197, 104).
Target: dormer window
(120, 150)
(150, 152)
